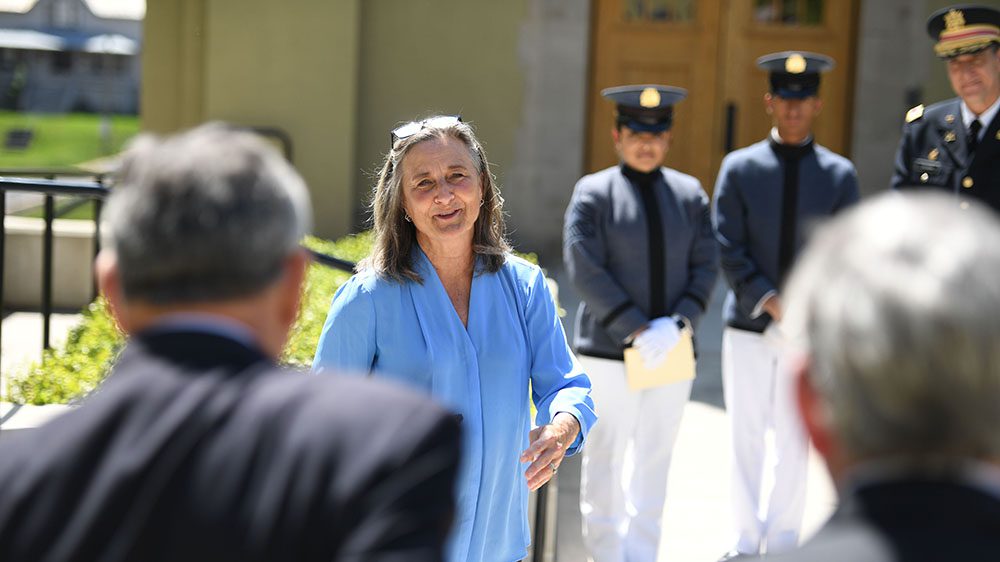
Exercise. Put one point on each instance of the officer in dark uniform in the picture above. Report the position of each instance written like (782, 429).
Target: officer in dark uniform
(638, 247)
(955, 144)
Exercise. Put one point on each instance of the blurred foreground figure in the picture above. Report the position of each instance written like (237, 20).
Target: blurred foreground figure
(899, 385)
(199, 447)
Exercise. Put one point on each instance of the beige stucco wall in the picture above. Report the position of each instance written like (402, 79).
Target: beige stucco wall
(447, 56)
(291, 65)
(72, 255)
(338, 75)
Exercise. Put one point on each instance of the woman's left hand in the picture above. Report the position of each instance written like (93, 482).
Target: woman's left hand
(548, 447)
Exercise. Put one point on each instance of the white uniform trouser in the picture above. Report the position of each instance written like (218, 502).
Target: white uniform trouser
(759, 393)
(622, 512)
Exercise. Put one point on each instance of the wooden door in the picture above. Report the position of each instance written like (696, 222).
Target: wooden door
(710, 48)
(672, 42)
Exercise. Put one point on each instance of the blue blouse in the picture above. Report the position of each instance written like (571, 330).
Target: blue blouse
(410, 332)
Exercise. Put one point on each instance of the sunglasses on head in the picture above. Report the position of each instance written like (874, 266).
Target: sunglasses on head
(414, 127)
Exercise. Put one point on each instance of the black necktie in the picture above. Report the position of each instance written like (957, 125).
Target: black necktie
(974, 129)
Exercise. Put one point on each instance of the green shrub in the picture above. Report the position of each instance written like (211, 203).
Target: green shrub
(75, 369)
(82, 363)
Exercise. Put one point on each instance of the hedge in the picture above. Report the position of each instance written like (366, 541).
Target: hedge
(69, 373)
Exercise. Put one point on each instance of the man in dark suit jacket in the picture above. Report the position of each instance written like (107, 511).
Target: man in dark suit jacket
(955, 144)
(199, 447)
(895, 306)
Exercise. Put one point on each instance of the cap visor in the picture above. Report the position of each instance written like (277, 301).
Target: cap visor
(646, 127)
(794, 95)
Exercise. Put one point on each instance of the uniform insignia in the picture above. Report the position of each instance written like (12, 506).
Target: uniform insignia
(949, 118)
(649, 98)
(949, 136)
(933, 154)
(915, 113)
(795, 64)
(924, 177)
(954, 19)
(967, 183)
(998, 135)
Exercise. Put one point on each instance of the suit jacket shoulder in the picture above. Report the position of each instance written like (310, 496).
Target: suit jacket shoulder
(754, 155)
(685, 186)
(596, 184)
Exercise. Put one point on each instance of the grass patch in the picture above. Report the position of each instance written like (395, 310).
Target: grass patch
(66, 208)
(63, 140)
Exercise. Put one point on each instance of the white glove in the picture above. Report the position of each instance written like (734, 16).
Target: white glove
(656, 341)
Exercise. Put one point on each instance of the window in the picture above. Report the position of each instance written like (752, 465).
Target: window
(659, 10)
(62, 62)
(789, 12)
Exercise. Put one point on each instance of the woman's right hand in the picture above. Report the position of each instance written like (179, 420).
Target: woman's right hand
(548, 448)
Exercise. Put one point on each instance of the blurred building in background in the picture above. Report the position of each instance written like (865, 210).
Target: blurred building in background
(70, 55)
(336, 76)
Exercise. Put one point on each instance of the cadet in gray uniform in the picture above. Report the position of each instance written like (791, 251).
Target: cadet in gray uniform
(638, 247)
(766, 197)
(955, 144)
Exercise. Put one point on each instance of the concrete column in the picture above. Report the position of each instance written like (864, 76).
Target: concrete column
(893, 56)
(553, 53)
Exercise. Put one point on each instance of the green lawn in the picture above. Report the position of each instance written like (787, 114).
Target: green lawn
(62, 140)
(66, 208)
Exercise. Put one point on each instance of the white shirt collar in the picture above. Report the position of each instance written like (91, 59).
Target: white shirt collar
(985, 117)
(777, 138)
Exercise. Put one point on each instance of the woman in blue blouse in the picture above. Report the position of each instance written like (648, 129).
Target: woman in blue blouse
(443, 306)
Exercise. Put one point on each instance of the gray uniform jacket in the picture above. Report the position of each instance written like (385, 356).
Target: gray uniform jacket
(933, 152)
(631, 264)
(750, 223)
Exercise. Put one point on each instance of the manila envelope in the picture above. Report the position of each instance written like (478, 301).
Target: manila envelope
(679, 366)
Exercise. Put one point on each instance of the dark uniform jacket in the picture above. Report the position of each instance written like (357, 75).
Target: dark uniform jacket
(933, 152)
(199, 448)
(908, 521)
(636, 248)
(761, 226)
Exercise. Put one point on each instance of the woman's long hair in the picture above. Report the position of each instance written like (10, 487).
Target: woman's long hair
(395, 236)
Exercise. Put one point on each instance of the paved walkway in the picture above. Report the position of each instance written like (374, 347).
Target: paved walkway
(21, 344)
(697, 516)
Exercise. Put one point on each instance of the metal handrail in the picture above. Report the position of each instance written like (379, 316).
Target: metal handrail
(97, 191)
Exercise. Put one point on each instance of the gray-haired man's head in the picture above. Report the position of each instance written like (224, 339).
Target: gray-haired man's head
(209, 214)
(899, 304)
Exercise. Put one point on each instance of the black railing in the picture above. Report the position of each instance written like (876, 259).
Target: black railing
(49, 188)
(96, 191)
